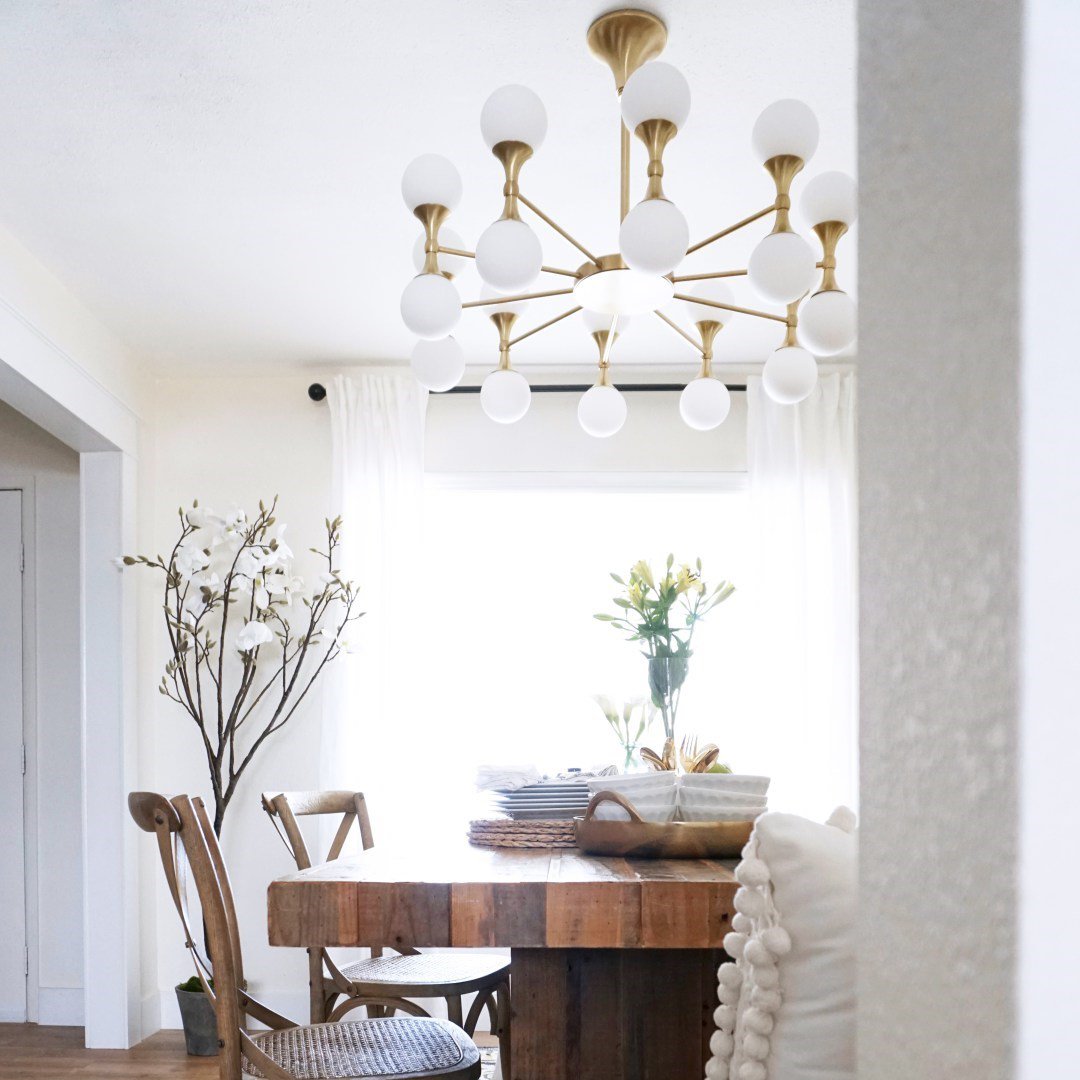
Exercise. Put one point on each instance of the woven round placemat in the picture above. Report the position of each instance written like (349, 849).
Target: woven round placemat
(502, 832)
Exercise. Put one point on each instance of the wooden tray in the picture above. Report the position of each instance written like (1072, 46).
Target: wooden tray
(658, 839)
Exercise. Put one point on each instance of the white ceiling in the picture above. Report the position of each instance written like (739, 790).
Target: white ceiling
(220, 182)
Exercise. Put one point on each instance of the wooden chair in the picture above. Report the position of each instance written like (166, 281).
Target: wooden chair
(405, 974)
(389, 1048)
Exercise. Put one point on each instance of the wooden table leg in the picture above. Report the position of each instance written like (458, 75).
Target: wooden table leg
(612, 1014)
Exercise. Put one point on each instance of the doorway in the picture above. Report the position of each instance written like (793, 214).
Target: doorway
(13, 955)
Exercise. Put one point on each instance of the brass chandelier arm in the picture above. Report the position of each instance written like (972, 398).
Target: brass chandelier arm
(472, 255)
(730, 307)
(544, 326)
(705, 277)
(559, 229)
(624, 170)
(731, 228)
(514, 299)
(680, 331)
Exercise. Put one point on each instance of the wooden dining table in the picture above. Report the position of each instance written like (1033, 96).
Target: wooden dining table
(613, 960)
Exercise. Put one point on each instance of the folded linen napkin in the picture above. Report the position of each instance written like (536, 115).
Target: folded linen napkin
(505, 777)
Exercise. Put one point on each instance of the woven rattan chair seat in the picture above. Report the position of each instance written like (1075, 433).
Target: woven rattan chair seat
(459, 971)
(394, 1047)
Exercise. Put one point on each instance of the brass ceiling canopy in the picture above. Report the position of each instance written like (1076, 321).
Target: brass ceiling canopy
(626, 39)
(642, 276)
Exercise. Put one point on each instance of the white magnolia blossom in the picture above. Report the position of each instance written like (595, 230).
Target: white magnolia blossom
(190, 558)
(253, 635)
(199, 517)
(250, 563)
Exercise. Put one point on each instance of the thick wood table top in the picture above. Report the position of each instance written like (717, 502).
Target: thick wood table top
(458, 895)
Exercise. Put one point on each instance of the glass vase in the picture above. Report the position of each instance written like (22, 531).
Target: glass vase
(666, 676)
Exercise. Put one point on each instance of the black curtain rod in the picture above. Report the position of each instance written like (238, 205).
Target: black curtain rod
(316, 391)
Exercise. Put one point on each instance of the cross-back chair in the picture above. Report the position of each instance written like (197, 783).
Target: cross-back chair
(405, 973)
(388, 1048)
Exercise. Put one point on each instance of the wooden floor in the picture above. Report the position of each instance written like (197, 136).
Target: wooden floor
(29, 1052)
(57, 1053)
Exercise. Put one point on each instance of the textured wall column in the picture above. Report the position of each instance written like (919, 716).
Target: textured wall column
(939, 113)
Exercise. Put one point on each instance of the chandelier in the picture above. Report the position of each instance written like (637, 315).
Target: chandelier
(817, 317)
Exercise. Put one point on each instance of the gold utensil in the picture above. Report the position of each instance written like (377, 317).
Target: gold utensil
(660, 762)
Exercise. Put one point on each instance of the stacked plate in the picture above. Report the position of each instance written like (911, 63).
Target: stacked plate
(548, 800)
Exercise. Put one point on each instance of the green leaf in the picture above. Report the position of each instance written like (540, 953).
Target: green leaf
(605, 618)
(615, 577)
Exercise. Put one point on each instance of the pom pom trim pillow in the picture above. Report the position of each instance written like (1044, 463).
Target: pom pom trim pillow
(787, 999)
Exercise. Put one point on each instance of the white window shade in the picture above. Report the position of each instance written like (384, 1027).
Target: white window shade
(549, 439)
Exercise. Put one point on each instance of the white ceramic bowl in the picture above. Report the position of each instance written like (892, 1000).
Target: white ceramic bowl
(636, 784)
(704, 797)
(750, 785)
(659, 807)
(691, 813)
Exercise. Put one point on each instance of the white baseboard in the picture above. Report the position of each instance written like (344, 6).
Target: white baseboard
(60, 1006)
(150, 1014)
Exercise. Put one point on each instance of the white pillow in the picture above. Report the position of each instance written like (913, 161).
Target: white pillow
(787, 1004)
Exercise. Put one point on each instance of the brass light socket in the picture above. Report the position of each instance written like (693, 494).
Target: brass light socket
(605, 340)
(783, 169)
(656, 134)
(708, 329)
(431, 216)
(504, 323)
(829, 233)
(511, 155)
(791, 338)
(626, 39)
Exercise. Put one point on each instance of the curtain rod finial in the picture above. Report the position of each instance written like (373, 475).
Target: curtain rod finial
(316, 391)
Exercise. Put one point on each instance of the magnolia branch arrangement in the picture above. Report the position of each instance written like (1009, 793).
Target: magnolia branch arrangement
(248, 637)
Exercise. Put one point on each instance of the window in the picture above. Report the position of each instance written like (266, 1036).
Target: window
(508, 653)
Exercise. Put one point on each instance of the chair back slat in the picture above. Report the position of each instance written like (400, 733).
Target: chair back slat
(225, 886)
(287, 806)
(222, 943)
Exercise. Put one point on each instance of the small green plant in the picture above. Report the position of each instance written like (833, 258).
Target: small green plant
(193, 985)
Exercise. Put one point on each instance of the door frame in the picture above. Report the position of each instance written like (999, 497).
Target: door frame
(41, 379)
(24, 487)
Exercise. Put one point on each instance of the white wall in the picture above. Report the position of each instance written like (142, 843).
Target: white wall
(227, 442)
(48, 473)
(938, 508)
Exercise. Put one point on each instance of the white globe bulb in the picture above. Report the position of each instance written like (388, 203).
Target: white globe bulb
(786, 127)
(601, 411)
(831, 196)
(488, 293)
(430, 306)
(505, 396)
(789, 375)
(451, 264)
(704, 403)
(597, 320)
(717, 290)
(783, 267)
(508, 256)
(431, 179)
(827, 322)
(513, 114)
(654, 237)
(438, 365)
(656, 91)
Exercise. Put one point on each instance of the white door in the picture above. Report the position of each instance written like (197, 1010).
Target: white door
(12, 884)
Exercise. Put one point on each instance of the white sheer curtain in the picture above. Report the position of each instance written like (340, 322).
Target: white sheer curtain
(801, 463)
(377, 422)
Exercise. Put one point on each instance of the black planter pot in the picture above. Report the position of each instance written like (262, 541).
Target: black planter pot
(200, 1023)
